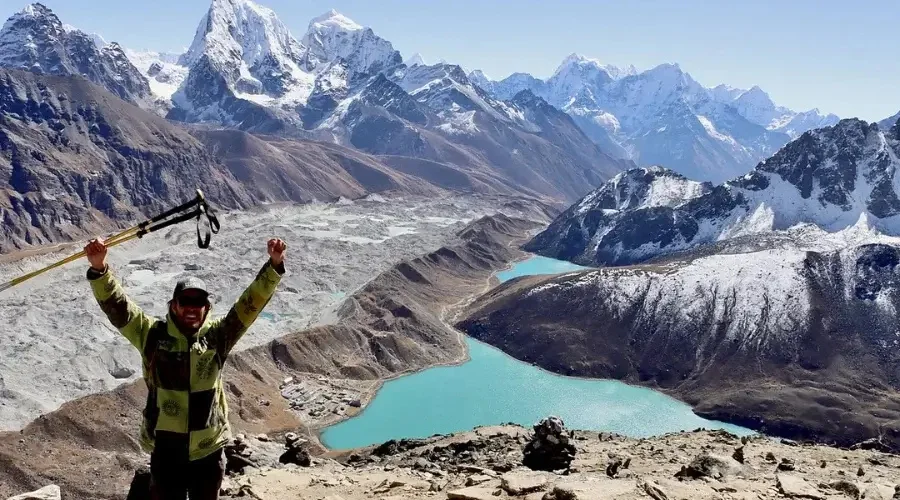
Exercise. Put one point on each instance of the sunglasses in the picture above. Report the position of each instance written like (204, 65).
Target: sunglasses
(192, 301)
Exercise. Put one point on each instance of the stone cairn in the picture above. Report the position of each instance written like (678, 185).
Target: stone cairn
(296, 451)
(550, 449)
(238, 455)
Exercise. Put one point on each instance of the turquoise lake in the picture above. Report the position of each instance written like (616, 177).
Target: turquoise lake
(495, 388)
(538, 265)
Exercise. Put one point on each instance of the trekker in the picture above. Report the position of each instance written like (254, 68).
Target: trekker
(185, 425)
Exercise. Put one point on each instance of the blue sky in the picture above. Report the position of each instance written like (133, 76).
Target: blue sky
(828, 54)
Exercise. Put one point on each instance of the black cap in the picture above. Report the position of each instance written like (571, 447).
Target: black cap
(190, 284)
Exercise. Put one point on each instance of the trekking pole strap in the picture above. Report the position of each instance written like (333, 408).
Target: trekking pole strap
(170, 222)
(212, 224)
(199, 199)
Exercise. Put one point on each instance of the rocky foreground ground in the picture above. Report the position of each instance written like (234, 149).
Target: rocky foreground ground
(551, 463)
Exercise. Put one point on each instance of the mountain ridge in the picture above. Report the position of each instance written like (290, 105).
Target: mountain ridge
(352, 88)
(35, 40)
(831, 177)
(663, 116)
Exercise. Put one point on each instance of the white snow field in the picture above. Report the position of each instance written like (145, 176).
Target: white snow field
(56, 345)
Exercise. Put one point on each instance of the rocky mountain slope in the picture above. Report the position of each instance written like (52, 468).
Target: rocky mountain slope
(277, 169)
(78, 160)
(830, 177)
(663, 116)
(889, 122)
(497, 462)
(75, 158)
(793, 335)
(36, 40)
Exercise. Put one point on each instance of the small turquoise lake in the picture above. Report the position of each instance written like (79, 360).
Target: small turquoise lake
(495, 388)
(538, 265)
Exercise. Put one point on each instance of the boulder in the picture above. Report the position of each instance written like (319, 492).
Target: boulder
(238, 456)
(794, 486)
(291, 437)
(399, 482)
(472, 493)
(522, 483)
(50, 492)
(550, 448)
(654, 490)
(140, 485)
(874, 444)
(874, 491)
(592, 490)
(845, 487)
(786, 464)
(710, 465)
(478, 479)
(615, 463)
(296, 453)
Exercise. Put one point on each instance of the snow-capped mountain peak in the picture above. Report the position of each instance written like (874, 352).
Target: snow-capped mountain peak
(479, 78)
(241, 30)
(333, 36)
(757, 94)
(99, 41)
(670, 74)
(612, 71)
(31, 11)
(416, 59)
(725, 93)
(756, 105)
(334, 20)
(888, 123)
(838, 177)
(32, 15)
(35, 40)
(575, 74)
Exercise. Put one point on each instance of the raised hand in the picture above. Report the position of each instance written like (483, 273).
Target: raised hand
(96, 253)
(276, 249)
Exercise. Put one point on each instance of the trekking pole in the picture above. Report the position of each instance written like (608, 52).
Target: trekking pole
(148, 226)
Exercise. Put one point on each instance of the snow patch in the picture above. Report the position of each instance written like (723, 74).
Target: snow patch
(715, 134)
(459, 123)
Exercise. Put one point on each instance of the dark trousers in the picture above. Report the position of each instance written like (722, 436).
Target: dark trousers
(173, 477)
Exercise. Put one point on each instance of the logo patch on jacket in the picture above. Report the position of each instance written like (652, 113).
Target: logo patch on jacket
(171, 407)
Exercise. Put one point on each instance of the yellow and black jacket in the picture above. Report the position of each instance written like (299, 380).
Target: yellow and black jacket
(186, 409)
